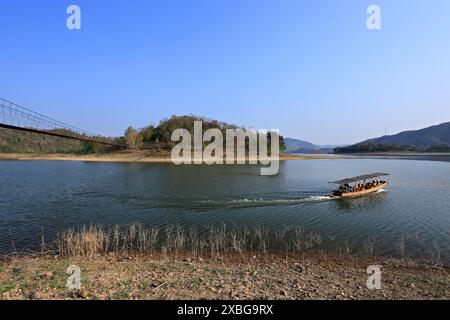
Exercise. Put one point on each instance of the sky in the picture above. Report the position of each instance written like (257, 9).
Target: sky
(311, 69)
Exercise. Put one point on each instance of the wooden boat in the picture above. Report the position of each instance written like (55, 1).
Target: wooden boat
(366, 184)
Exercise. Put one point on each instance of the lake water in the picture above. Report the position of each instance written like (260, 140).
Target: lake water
(52, 196)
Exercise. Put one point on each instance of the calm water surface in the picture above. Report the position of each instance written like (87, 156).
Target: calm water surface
(53, 196)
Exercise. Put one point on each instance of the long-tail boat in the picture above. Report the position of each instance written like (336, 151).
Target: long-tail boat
(360, 186)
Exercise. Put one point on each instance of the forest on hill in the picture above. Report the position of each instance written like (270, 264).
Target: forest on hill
(151, 137)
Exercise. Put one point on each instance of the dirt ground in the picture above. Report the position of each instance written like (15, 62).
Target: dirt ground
(138, 156)
(233, 278)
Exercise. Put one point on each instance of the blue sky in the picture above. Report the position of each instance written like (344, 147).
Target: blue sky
(309, 68)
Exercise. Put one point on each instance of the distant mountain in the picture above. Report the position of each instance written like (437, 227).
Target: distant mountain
(431, 136)
(299, 146)
(435, 138)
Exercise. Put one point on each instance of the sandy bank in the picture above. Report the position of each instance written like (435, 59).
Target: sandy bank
(124, 156)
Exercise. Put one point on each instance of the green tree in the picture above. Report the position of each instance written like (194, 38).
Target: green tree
(131, 137)
(148, 134)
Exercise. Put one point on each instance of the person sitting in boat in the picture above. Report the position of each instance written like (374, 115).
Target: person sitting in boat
(347, 188)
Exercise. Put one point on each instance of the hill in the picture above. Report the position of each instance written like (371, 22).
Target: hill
(25, 142)
(299, 146)
(152, 138)
(160, 135)
(435, 138)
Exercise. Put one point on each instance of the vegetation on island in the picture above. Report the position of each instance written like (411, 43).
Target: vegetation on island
(160, 135)
(151, 137)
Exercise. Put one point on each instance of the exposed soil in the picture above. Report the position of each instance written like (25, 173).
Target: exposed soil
(238, 278)
(138, 156)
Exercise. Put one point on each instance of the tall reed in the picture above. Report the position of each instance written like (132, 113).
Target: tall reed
(210, 241)
(214, 240)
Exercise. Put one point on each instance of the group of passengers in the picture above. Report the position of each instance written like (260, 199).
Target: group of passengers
(360, 186)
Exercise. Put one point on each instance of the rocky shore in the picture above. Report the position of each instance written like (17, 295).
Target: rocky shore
(121, 277)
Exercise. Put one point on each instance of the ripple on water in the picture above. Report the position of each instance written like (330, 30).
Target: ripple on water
(54, 196)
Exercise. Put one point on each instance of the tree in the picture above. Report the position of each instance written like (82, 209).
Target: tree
(131, 137)
(148, 134)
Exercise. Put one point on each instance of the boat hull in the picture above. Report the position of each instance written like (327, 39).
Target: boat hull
(362, 193)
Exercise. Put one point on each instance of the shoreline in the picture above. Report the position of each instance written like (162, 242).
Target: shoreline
(393, 153)
(126, 157)
(234, 277)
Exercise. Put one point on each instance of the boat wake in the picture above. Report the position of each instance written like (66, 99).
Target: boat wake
(240, 203)
(207, 205)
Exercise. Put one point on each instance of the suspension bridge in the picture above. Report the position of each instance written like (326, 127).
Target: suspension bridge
(16, 117)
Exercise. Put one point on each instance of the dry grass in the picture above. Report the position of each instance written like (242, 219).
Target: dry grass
(370, 246)
(401, 246)
(174, 240)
